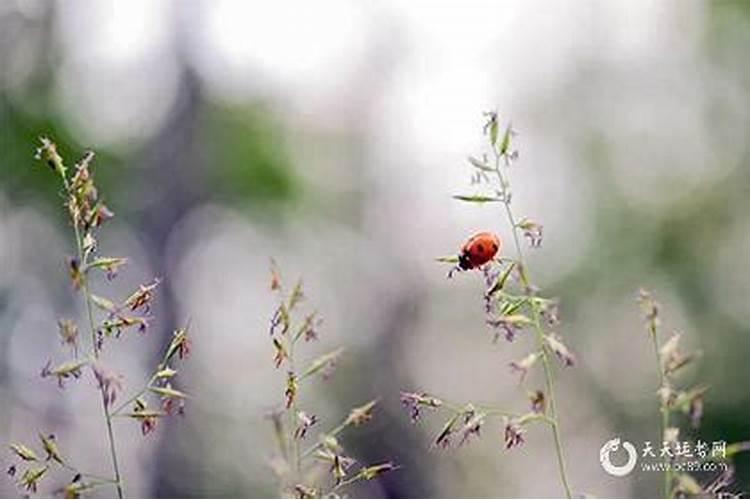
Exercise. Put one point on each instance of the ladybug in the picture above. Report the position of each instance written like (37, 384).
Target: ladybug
(477, 251)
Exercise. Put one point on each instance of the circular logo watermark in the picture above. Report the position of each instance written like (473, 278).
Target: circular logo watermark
(612, 446)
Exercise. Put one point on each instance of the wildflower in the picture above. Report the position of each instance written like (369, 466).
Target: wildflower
(76, 276)
(414, 402)
(109, 382)
(303, 491)
(522, 366)
(72, 489)
(50, 448)
(305, 422)
(361, 414)
(326, 364)
(667, 396)
(166, 392)
(491, 126)
(372, 471)
(491, 275)
(495, 279)
(337, 460)
(690, 402)
(309, 328)
(472, 426)
(110, 265)
(280, 353)
(532, 231)
(32, 476)
(68, 332)
(550, 311)
(338, 469)
(538, 402)
(510, 326)
(443, 439)
(88, 246)
(102, 214)
(291, 389)
(280, 318)
(330, 442)
(120, 322)
(172, 406)
(64, 371)
(672, 359)
(650, 310)
(513, 434)
(148, 424)
(181, 344)
(560, 350)
(83, 204)
(340, 464)
(24, 453)
(47, 152)
(142, 298)
(275, 276)
(147, 418)
(185, 347)
(165, 373)
(82, 180)
(505, 144)
(297, 295)
(104, 304)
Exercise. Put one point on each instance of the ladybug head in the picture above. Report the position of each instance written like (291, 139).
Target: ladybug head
(464, 261)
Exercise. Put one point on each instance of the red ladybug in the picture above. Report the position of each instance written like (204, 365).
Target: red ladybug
(477, 251)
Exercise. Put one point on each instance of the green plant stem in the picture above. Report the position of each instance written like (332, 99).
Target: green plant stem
(137, 395)
(295, 448)
(548, 376)
(662, 407)
(334, 432)
(495, 412)
(146, 387)
(92, 328)
(107, 415)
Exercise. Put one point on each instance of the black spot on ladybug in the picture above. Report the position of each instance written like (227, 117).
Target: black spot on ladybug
(480, 248)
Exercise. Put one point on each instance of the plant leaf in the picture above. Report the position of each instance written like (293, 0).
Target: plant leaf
(24, 452)
(477, 198)
(448, 259)
(103, 304)
(480, 164)
(168, 392)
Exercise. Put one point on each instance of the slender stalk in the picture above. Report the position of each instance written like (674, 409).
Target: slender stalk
(146, 387)
(92, 328)
(296, 456)
(334, 432)
(548, 375)
(130, 400)
(99, 479)
(107, 415)
(663, 408)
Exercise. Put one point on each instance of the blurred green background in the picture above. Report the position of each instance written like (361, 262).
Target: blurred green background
(331, 136)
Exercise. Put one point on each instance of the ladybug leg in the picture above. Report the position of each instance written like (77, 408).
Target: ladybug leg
(453, 270)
